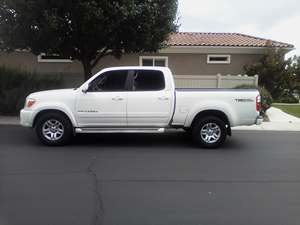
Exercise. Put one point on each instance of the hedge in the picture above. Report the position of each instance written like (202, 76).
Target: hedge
(16, 85)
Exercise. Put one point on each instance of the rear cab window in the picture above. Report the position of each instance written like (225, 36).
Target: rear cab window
(148, 80)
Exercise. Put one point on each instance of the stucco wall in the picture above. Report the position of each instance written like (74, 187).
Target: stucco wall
(27, 61)
(180, 64)
(196, 64)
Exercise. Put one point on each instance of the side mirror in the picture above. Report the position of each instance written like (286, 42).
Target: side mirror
(85, 89)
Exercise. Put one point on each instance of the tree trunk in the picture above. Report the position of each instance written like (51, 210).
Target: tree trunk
(87, 68)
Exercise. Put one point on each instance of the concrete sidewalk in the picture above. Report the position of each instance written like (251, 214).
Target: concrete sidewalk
(279, 121)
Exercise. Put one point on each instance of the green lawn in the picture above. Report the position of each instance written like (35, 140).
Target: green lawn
(290, 109)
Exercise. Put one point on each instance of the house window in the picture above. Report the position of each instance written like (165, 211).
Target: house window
(53, 58)
(154, 61)
(218, 59)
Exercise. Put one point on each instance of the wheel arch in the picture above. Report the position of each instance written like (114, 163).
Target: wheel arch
(45, 111)
(217, 113)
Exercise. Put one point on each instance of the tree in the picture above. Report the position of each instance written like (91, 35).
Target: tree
(86, 30)
(276, 74)
(294, 71)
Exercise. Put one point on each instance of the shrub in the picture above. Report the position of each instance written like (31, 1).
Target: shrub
(276, 74)
(287, 98)
(246, 86)
(266, 98)
(16, 85)
(272, 71)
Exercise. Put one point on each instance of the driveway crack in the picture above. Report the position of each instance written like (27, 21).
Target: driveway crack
(99, 210)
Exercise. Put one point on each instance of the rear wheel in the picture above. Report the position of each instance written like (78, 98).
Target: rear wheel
(53, 129)
(209, 132)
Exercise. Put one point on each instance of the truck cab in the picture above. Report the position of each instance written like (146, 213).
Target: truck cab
(126, 97)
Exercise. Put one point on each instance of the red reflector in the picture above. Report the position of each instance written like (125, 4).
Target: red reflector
(258, 103)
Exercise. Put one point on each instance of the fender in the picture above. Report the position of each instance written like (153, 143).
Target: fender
(211, 105)
(55, 106)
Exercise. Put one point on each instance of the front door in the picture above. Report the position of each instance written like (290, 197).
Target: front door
(104, 104)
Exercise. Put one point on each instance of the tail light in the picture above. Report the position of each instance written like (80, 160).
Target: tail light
(258, 103)
(29, 103)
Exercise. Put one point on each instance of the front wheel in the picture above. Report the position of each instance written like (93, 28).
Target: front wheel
(53, 129)
(209, 132)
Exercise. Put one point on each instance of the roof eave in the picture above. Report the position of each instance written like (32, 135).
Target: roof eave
(196, 49)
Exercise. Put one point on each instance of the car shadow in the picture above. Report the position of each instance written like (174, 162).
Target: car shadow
(174, 140)
(170, 140)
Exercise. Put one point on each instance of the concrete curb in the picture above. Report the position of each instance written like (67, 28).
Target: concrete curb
(9, 120)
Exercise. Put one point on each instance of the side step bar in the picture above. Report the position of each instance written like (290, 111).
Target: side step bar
(118, 130)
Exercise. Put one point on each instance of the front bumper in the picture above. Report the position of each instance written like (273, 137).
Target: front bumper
(259, 120)
(26, 118)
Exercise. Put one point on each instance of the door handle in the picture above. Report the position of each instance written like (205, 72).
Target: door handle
(118, 98)
(164, 98)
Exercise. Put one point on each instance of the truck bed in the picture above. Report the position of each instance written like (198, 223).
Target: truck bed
(238, 104)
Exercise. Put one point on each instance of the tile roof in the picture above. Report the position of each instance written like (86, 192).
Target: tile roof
(222, 39)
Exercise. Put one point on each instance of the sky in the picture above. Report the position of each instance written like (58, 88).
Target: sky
(277, 20)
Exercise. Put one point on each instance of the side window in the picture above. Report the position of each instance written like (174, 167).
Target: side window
(109, 81)
(148, 80)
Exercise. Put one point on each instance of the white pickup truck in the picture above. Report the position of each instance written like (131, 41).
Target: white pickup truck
(139, 99)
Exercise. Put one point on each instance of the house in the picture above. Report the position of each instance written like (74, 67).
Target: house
(187, 54)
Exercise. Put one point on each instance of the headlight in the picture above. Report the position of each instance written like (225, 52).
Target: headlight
(30, 102)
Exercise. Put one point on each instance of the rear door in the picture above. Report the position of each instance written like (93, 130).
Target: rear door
(149, 104)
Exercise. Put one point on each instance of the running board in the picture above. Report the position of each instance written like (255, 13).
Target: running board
(118, 130)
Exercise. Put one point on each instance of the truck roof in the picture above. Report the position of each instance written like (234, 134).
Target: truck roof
(136, 68)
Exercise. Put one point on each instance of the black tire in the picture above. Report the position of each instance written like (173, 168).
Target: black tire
(64, 128)
(214, 132)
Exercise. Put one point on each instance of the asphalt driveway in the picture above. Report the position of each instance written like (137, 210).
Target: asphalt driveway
(150, 179)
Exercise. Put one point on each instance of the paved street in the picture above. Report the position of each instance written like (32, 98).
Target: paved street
(150, 180)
